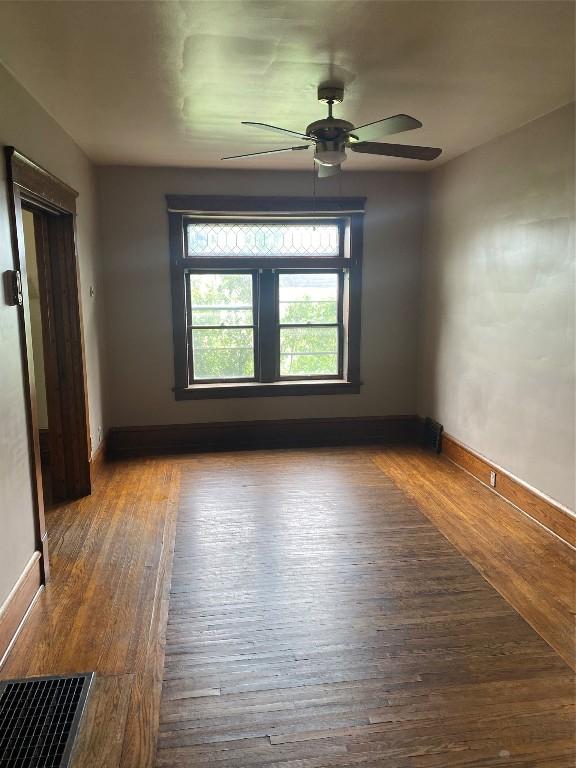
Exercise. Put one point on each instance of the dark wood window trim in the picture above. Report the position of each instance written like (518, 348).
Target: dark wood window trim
(349, 263)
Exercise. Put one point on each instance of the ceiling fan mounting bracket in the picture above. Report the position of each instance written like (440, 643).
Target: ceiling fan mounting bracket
(331, 94)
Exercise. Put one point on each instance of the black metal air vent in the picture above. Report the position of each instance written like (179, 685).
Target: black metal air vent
(39, 718)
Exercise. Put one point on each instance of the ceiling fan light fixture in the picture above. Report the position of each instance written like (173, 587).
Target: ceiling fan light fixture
(329, 155)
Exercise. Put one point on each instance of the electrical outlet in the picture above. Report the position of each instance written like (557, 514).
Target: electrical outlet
(493, 479)
(99, 435)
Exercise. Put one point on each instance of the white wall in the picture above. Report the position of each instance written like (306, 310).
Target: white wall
(498, 328)
(138, 301)
(25, 125)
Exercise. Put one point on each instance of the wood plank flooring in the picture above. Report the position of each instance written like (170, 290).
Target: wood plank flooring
(534, 570)
(105, 608)
(318, 619)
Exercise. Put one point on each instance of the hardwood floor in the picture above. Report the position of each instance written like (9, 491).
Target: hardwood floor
(534, 570)
(105, 608)
(317, 618)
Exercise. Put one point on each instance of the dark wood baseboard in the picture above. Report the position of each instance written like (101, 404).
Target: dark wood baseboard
(545, 512)
(19, 601)
(247, 435)
(97, 461)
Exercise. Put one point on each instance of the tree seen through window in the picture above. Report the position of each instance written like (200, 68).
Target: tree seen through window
(223, 326)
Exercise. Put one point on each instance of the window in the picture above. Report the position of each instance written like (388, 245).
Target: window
(264, 239)
(265, 303)
(309, 315)
(221, 326)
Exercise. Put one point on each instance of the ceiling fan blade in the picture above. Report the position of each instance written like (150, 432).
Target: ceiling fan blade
(328, 170)
(266, 152)
(267, 127)
(396, 150)
(385, 127)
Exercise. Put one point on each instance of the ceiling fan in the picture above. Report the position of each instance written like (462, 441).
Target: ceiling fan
(331, 137)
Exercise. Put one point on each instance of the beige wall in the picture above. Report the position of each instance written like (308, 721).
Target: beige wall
(498, 329)
(26, 126)
(138, 302)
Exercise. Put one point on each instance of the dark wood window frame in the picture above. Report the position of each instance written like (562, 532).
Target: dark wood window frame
(347, 211)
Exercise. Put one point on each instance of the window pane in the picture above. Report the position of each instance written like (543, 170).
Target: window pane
(263, 239)
(223, 353)
(308, 298)
(221, 299)
(308, 351)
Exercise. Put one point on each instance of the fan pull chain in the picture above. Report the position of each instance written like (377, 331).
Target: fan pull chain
(313, 189)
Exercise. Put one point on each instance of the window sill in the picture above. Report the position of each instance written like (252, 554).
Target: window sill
(274, 389)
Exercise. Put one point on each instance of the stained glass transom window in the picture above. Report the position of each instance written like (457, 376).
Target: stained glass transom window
(257, 240)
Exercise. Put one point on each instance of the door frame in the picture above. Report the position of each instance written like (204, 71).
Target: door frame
(32, 187)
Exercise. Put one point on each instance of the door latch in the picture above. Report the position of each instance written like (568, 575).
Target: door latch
(13, 288)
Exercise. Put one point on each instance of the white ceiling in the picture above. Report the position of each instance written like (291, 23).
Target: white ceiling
(167, 83)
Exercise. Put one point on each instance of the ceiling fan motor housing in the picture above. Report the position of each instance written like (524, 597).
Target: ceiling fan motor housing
(330, 129)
